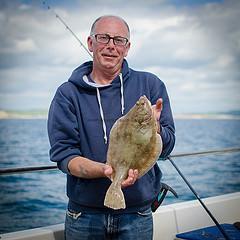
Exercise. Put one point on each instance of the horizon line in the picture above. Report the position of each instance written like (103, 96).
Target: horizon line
(42, 114)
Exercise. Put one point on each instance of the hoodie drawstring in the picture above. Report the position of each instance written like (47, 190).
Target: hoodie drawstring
(122, 97)
(102, 116)
(101, 109)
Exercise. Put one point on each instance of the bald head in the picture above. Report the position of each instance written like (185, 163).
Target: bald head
(109, 17)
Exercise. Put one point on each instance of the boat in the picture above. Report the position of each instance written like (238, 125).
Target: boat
(169, 220)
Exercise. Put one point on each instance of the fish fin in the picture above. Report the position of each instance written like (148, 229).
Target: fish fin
(114, 197)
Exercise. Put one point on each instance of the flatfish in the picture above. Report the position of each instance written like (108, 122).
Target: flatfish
(134, 144)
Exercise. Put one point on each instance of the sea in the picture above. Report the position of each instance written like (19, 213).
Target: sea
(37, 199)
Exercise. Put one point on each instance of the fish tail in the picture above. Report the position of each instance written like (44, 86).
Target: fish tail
(114, 197)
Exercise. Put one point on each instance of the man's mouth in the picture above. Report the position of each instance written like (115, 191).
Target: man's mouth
(109, 55)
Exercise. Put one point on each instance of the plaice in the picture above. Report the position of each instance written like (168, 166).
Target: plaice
(134, 144)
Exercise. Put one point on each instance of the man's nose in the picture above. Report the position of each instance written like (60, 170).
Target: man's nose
(111, 43)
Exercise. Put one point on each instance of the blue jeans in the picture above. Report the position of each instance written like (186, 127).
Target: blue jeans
(128, 226)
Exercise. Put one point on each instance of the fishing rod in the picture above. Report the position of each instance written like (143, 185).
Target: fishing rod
(199, 199)
(67, 27)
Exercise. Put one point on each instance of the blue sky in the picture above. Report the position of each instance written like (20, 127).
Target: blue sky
(193, 46)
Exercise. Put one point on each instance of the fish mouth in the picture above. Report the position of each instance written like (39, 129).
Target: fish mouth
(143, 100)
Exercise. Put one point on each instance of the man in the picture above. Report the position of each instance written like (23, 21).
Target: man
(80, 118)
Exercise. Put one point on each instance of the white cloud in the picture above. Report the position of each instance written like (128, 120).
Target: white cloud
(25, 45)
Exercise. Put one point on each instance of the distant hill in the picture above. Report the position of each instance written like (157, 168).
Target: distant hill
(218, 115)
(234, 113)
(30, 114)
(42, 114)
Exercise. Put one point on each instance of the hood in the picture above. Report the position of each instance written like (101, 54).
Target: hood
(80, 79)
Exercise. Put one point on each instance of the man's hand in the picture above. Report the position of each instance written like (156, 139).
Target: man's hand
(86, 168)
(108, 171)
(157, 109)
(131, 179)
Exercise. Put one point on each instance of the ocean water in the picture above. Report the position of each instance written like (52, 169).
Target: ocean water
(38, 199)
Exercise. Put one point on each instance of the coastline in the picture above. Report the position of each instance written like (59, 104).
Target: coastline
(23, 115)
(213, 116)
(42, 114)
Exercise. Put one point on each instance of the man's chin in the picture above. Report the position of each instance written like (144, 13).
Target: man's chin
(112, 63)
(109, 64)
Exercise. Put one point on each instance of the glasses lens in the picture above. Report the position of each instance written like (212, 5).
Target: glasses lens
(102, 38)
(120, 41)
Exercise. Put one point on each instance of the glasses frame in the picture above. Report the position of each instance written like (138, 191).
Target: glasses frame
(109, 38)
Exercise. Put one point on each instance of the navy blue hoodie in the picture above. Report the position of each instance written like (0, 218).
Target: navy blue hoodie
(81, 116)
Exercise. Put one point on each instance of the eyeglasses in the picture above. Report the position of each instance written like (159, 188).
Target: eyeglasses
(105, 38)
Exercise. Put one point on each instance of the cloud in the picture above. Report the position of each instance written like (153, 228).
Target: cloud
(198, 57)
(194, 49)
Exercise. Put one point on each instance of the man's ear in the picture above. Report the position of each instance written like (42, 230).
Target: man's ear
(90, 43)
(127, 49)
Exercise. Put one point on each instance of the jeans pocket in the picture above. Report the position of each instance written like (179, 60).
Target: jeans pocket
(145, 213)
(72, 214)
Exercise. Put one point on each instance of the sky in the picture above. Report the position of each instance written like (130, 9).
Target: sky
(192, 46)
